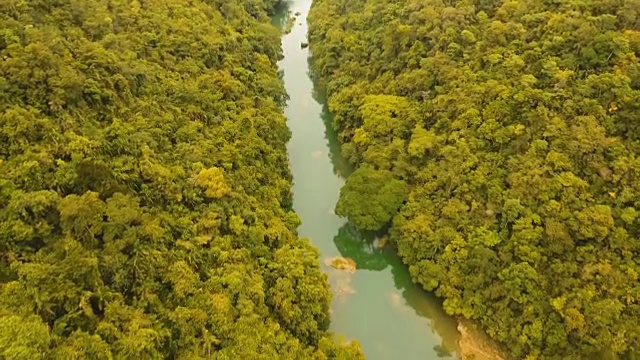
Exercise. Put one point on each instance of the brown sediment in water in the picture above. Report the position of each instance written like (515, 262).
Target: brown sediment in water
(382, 242)
(340, 276)
(396, 300)
(341, 263)
(291, 21)
(343, 285)
(474, 344)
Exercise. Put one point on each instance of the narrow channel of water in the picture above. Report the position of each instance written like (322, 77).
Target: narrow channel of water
(378, 305)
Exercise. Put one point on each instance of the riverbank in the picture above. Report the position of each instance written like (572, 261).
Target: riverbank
(474, 344)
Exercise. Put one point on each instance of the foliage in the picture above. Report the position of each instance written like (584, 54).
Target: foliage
(145, 204)
(370, 198)
(516, 130)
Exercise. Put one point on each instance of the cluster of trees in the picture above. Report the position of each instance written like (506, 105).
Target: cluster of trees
(145, 205)
(500, 143)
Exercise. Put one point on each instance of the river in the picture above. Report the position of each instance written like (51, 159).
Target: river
(378, 305)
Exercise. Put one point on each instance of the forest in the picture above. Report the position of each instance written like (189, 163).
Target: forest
(497, 143)
(145, 193)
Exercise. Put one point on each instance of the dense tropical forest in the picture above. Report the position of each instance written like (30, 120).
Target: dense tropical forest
(145, 204)
(498, 144)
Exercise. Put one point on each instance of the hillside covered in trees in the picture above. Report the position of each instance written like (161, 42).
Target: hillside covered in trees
(499, 144)
(145, 205)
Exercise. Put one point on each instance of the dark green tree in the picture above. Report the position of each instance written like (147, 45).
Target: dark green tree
(370, 198)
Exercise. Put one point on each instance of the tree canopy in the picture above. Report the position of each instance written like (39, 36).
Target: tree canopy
(515, 125)
(145, 202)
(370, 198)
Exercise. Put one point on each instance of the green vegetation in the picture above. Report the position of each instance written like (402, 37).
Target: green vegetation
(516, 127)
(378, 189)
(145, 205)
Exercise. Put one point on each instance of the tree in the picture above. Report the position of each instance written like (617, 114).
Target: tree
(514, 126)
(370, 198)
(145, 193)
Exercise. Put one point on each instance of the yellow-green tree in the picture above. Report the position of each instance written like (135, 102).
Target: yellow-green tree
(516, 131)
(145, 196)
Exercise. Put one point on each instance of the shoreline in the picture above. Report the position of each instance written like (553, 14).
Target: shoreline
(475, 344)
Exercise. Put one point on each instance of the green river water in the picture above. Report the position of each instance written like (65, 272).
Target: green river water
(378, 305)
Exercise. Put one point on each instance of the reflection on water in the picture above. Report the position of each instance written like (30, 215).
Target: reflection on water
(341, 166)
(280, 16)
(360, 248)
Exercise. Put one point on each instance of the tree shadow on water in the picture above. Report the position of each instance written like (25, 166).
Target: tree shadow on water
(341, 166)
(360, 247)
(425, 305)
(280, 15)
